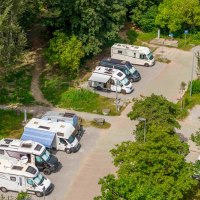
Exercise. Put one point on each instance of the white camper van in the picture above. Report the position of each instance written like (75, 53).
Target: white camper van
(110, 79)
(66, 117)
(33, 152)
(53, 135)
(21, 177)
(137, 55)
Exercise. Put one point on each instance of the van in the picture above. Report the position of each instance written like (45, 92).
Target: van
(125, 66)
(137, 55)
(35, 153)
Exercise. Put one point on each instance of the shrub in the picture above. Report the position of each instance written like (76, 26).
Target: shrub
(196, 86)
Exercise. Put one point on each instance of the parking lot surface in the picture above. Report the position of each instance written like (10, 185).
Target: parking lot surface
(80, 172)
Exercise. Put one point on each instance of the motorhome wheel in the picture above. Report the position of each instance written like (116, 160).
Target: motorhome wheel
(123, 91)
(47, 171)
(39, 194)
(131, 80)
(146, 65)
(68, 151)
(3, 189)
(99, 88)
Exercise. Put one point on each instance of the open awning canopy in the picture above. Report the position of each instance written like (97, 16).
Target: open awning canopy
(43, 137)
(99, 78)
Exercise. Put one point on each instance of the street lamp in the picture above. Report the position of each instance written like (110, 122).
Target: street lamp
(141, 119)
(192, 69)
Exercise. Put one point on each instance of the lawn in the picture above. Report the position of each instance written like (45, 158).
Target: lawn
(15, 86)
(64, 94)
(10, 124)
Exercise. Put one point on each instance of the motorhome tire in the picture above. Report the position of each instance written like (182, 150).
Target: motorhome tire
(47, 171)
(68, 151)
(123, 92)
(3, 189)
(39, 194)
(146, 65)
(99, 88)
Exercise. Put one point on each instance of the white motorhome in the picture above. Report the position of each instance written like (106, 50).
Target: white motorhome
(137, 55)
(110, 79)
(34, 152)
(53, 135)
(21, 177)
(66, 117)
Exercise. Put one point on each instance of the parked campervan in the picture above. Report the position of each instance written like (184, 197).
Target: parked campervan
(138, 55)
(125, 66)
(35, 153)
(110, 79)
(21, 177)
(53, 135)
(65, 117)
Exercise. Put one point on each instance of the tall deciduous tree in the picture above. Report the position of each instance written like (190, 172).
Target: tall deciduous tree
(158, 112)
(178, 14)
(12, 37)
(94, 22)
(66, 51)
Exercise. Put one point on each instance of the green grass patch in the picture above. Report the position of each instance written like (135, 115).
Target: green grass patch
(106, 125)
(15, 86)
(86, 101)
(60, 92)
(189, 102)
(136, 38)
(11, 124)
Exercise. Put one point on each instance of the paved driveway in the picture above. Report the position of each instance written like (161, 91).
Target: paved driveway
(78, 178)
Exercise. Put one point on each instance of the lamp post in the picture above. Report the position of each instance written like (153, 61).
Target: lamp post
(141, 119)
(192, 69)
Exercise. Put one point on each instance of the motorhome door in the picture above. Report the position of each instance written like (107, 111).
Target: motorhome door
(21, 184)
(61, 144)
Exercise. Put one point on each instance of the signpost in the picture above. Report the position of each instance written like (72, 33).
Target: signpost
(186, 32)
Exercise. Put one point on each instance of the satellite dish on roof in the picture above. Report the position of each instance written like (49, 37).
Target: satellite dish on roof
(24, 159)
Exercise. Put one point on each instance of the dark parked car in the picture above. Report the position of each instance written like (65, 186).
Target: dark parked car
(126, 67)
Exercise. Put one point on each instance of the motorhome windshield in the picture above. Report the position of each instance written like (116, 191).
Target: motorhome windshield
(70, 139)
(45, 155)
(39, 179)
(150, 56)
(125, 81)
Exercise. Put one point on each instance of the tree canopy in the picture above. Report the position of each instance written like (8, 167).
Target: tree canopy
(155, 169)
(177, 15)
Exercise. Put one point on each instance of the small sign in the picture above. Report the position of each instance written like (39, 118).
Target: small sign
(171, 35)
(186, 32)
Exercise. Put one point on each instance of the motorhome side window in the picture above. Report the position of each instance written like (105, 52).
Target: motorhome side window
(62, 141)
(12, 178)
(30, 182)
(38, 159)
(60, 120)
(119, 52)
(141, 56)
(134, 55)
(13, 154)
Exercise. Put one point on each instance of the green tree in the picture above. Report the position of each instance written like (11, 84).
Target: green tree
(66, 51)
(94, 22)
(152, 170)
(12, 37)
(137, 10)
(178, 14)
(158, 112)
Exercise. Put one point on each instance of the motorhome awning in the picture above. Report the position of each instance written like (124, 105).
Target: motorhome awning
(102, 78)
(42, 137)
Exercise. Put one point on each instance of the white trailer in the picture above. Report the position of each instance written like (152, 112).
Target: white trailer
(110, 79)
(138, 55)
(21, 177)
(34, 152)
(53, 135)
